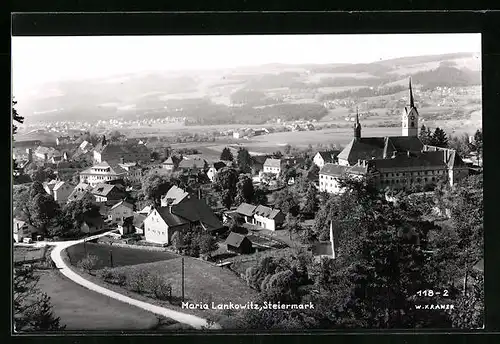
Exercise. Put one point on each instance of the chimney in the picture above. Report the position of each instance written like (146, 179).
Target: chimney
(332, 240)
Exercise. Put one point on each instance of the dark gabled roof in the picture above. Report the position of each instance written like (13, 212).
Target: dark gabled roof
(366, 148)
(246, 209)
(406, 143)
(363, 149)
(450, 156)
(259, 159)
(270, 162)
(103, 189)
(235, 239)
(421, 159)
(329, 156)
(170, 219)
(196, 210)
(264, 211)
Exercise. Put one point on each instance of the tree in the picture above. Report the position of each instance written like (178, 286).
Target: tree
(226, 155)
(287, 149)
(313, 172)
(460, 144)
(244, 160)
(287, 202)
(72, 215)
(439, 138)
(155, 155)
(260, 196)
(425, 135)
(32, 308)
(43, 211)
(42, 174)
(225, 183)
(115, 136)
(277, 155)
(292, 224)
(244, 189)
(469, 309)
(177, 240)
(88, 263)
(154, 186)
(206, 243)
(478, 143)
(19, 119)
(311, 200)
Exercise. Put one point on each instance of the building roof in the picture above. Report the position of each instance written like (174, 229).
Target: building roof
(195, 162)
(169, 161)
(366, 148)
(123, 203)
(196, 210)
(83, 186)
(175, 195)
(19, 224)
(450, 156)
(235, 239)
(328, 156)
(102, 189)
(114, 169)
(336, 170)
(264, 211)
(421, 159)
(246, 209)
(145, 210)
(218, 165)
(78, 195)
(270, 162)
(139, 220)
(172, 220)
(259, 159)
(58, 184)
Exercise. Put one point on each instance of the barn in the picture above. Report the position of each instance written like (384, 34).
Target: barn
(238, 243)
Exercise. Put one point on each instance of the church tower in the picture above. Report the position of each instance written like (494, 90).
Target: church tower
(410, 117)
(357, 127)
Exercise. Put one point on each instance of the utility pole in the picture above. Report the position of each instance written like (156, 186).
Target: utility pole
(111, 258)
(182, 278)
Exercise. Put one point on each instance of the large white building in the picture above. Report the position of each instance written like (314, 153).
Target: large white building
(394, 161)
(101, 173)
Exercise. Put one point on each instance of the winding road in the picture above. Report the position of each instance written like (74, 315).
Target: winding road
(184, 318)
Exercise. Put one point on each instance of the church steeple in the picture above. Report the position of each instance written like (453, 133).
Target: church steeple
(412, 103)
(357, 126)
(410, 116)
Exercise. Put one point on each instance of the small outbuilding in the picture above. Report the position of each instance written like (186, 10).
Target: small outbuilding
(238, 243)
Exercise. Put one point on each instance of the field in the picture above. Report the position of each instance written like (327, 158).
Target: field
(25, 253)
(82, 309)
(203, 282)
(122, 256)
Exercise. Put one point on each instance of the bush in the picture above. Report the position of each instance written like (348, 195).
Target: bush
(120, 279)
(106, 274)
(138, 281)
(157, 285)
(88, 263)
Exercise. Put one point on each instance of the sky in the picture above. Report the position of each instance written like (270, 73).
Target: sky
(36, 60)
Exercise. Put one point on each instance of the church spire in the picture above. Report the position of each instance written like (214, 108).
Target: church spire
(357, 126)
(412, 104)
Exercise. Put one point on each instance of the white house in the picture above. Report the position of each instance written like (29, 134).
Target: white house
(161, 224)
(330, 174)
(58, 189)
(261, 216)
(273, 166)
(120, 211)
(324, 157)
(23, 230)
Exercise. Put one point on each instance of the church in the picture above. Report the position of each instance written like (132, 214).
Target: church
(394, 161)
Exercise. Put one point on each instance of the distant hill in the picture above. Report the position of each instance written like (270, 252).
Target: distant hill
(202, 95)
